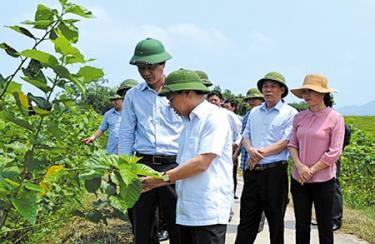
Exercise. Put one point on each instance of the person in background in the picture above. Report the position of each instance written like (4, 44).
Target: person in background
(265, 138)
(150, 129)
(216, 98)
(111, 122)
(315, 146)
(125, 86)
(204, 156)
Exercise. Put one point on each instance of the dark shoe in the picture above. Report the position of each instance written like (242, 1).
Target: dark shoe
(163, 235)
(335, 227)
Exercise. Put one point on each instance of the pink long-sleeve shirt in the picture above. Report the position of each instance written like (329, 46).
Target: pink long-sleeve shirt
(318, 136)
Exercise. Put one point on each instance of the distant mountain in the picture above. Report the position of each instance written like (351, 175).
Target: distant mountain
(366, 109)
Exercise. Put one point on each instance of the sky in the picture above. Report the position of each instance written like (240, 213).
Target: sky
(236, 42)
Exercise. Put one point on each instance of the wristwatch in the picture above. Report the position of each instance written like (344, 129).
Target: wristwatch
(165, 177)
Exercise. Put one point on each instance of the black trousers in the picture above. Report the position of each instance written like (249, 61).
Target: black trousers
(337, 210)
(210, 234)
(263, 191)
(143, 212)
(235, 166)
(321, 194)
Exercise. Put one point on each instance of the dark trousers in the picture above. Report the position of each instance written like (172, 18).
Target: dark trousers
(321, 194)
(143, 212)
(263, 191)
(337, 209)
(210, 234)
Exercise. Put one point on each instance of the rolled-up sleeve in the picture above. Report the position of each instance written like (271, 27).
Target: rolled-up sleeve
(337, 139)
(127, 126)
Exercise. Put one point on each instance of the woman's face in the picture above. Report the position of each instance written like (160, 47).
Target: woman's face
(312, 98)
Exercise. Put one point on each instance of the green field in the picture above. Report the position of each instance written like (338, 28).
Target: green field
(365, 123)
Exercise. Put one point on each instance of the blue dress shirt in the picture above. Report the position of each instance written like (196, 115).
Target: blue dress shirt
(149, 125)
(268, 126)
(111, 122)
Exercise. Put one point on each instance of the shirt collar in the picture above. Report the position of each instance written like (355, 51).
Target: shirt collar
(322, 112)
(278, 106)
(199, 110)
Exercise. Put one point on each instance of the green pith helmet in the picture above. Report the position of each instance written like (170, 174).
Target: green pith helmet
(125, 86)
(254, 93)
(149, 51)
(115, 97)
(274, 76)
(183, 80)
(204, 78)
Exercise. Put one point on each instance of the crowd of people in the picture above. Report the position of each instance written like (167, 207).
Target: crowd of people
(193, 137)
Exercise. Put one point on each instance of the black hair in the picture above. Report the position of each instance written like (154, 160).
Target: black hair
(215, 93)
(328, 100)
(232, 102)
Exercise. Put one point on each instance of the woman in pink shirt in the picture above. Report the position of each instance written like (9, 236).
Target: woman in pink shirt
(315, 145)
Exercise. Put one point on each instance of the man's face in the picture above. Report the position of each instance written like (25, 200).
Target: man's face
(178, 102)
(272, 92)
(229, 106)
(151, 73)
(215, 100)
(253, 102)
(117, 104)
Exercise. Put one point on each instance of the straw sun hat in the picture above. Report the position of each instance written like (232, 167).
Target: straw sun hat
(314, 82)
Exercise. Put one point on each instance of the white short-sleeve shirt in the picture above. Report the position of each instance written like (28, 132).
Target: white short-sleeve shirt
(206, 198)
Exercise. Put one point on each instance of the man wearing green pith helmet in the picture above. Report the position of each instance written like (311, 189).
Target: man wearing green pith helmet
(150, 129)
(203, 178)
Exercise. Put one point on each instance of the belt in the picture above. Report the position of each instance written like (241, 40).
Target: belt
(262, 167)
(157, 159)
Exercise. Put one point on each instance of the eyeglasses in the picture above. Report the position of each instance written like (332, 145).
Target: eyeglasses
(171, 96)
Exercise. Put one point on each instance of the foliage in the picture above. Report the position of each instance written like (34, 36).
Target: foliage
(97, 96)
(299, 106)
(365, 123)
(41, 156)
(358, 170)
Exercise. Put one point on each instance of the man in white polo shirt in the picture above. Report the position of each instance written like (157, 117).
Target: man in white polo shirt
(203, 177)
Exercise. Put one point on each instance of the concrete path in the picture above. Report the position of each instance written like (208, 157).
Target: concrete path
(289, 234)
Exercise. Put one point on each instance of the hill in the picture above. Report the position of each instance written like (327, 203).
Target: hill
(366, 109)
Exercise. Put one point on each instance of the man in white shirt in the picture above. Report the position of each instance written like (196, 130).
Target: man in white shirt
(203, 178)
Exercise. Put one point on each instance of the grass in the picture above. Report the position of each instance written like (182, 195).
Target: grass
(359, 223)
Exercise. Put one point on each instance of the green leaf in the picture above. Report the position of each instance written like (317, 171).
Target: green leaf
(2, 126)
(95, 216)
(43, 17)
(53, 129)
(109, 188)
(89, 175)
(118, 204)
(22, 123)
(130, 194)
(142, 169)
(69, 31)
(12, 173)
(42, 86)
(63, 72)
(9, 50)
(89, 73)
(41, 56)
(13, 87)
(26, 205)
(40, 101)
(126, 174)
(63, 46)
(41, 111)
(78, 10)
(34, 71)
(22, 30)
(33, 187)
(93, 185)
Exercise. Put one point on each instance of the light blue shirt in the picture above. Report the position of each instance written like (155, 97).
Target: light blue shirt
(206, 198)
(149, 125)
(266, 127)
(111, 122)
